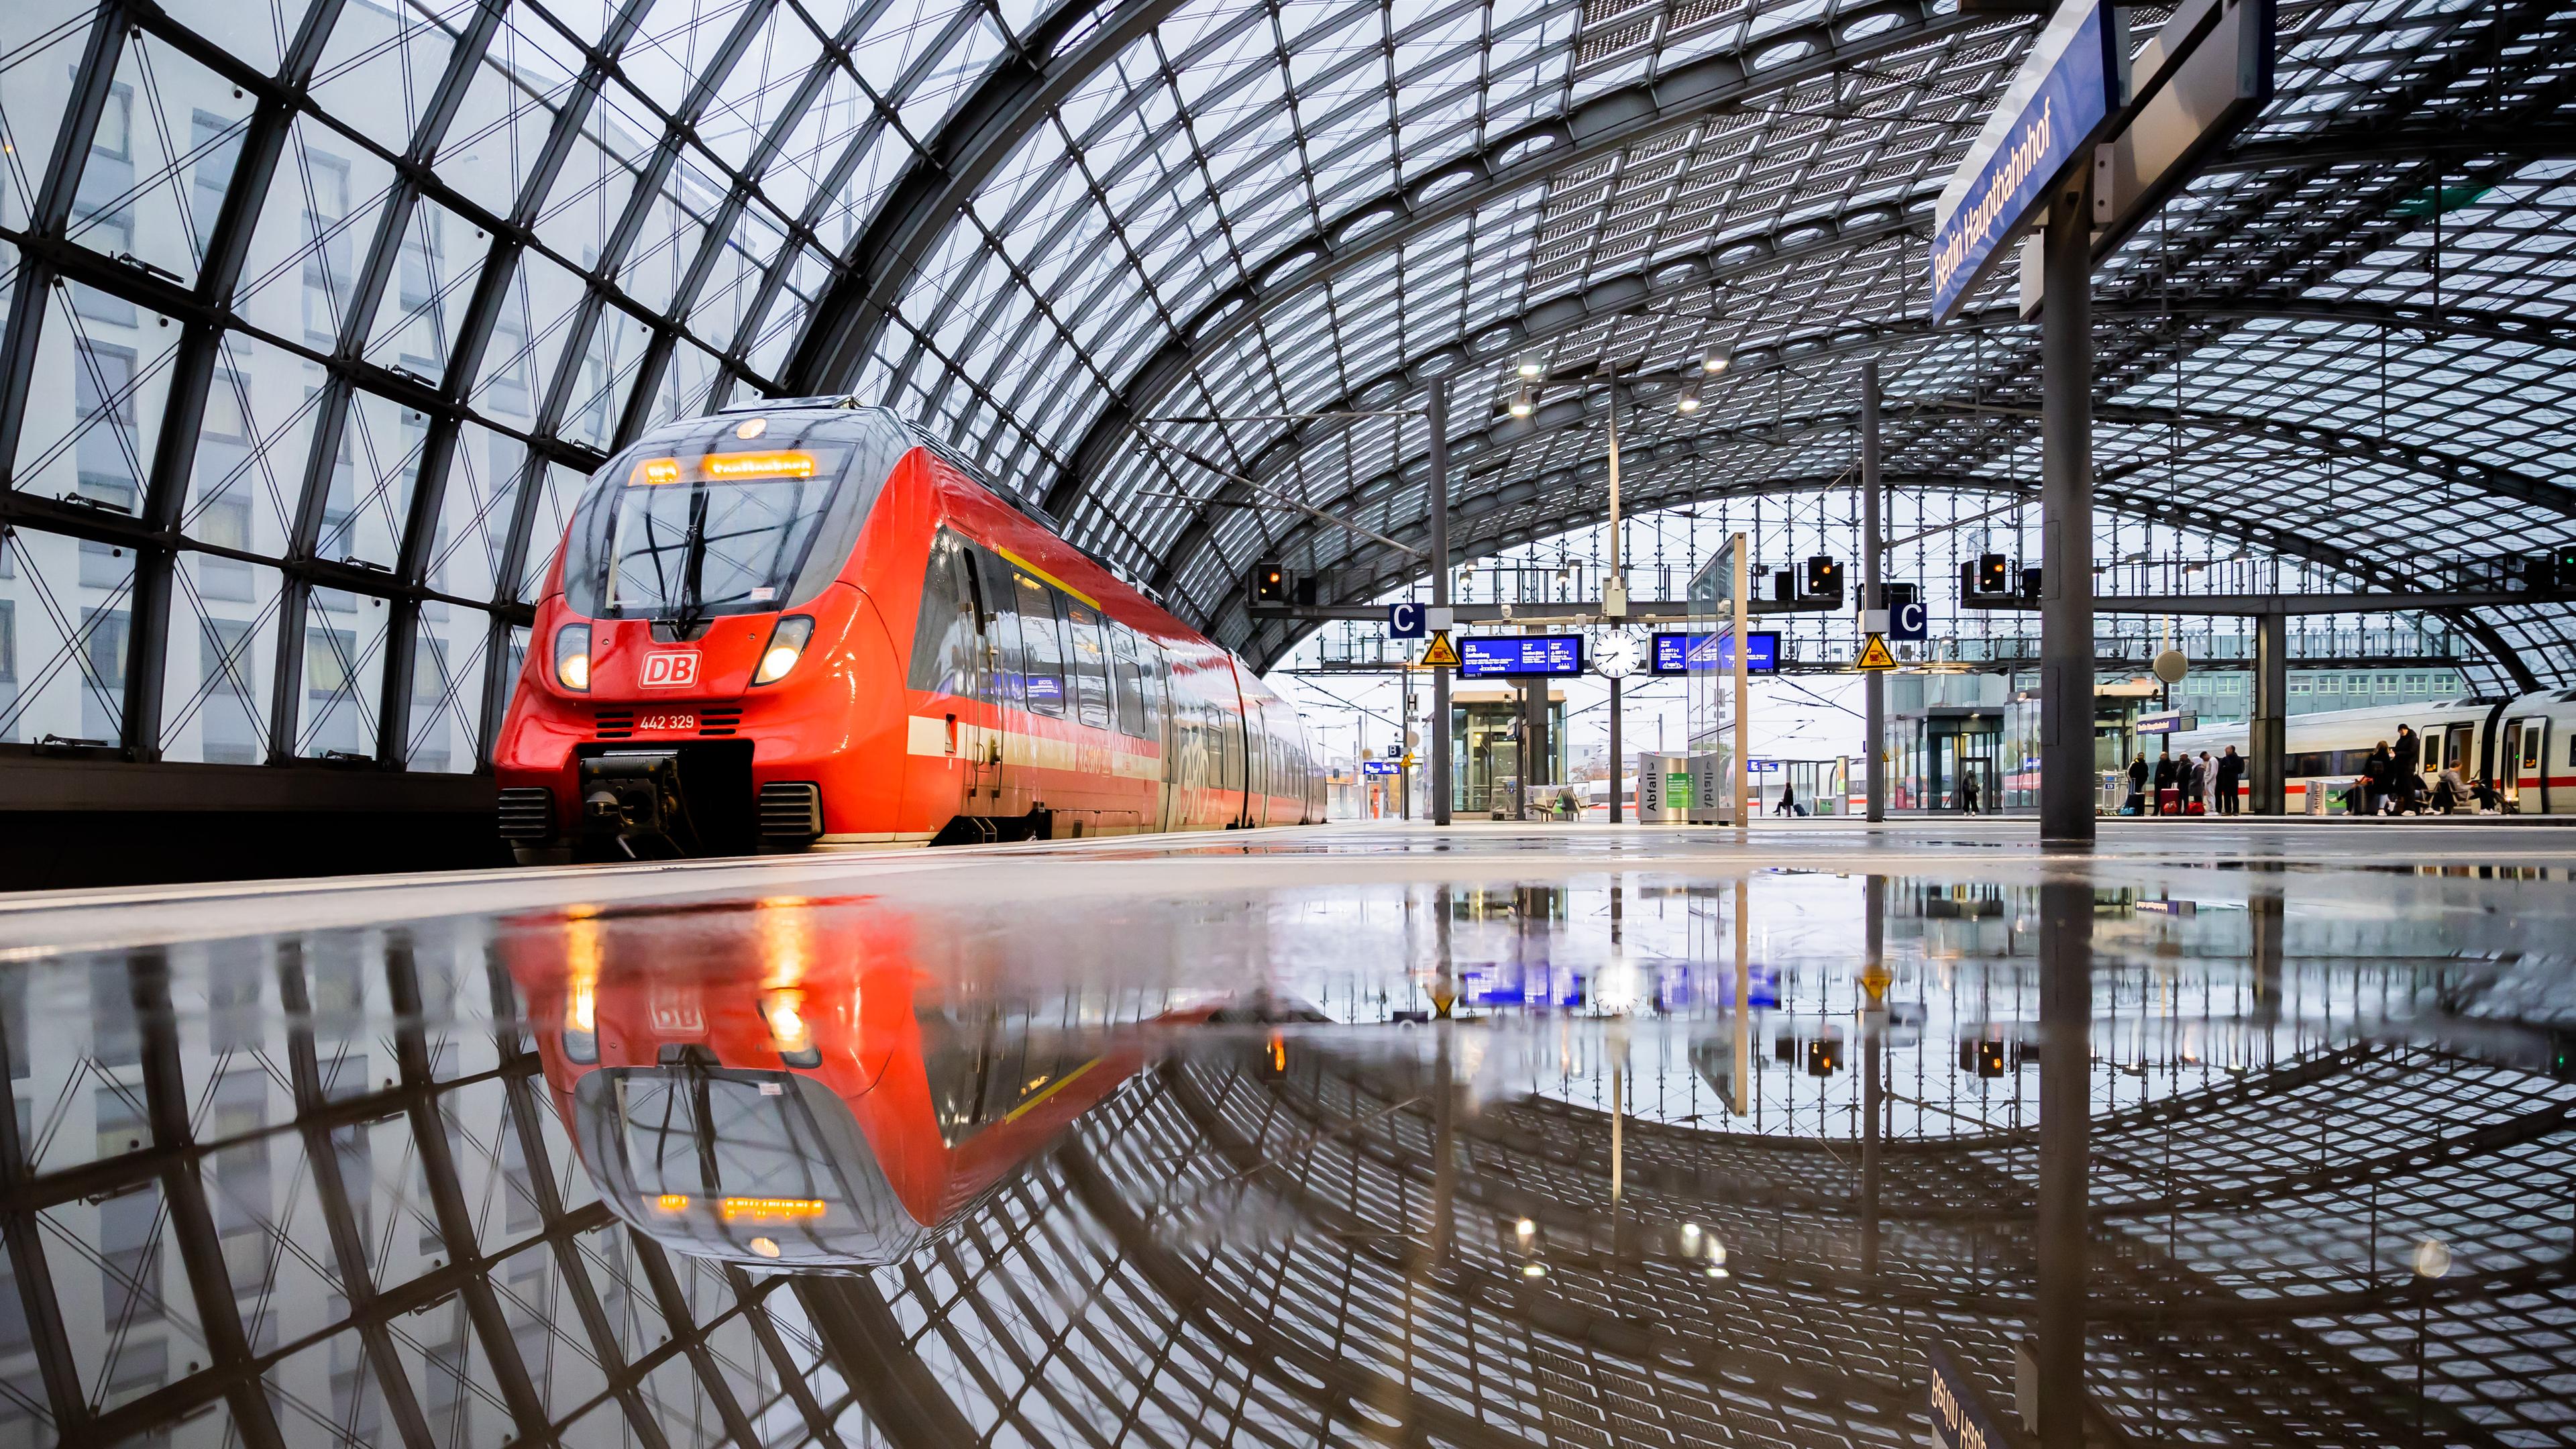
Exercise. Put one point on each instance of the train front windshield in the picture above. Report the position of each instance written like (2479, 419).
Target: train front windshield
(737, 1164)
(701, 521)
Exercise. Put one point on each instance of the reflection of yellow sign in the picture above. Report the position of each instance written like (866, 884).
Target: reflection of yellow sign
(1442, 654)
(1874, 655)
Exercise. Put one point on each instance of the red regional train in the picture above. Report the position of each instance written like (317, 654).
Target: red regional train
(802, 622)
(796, 1090)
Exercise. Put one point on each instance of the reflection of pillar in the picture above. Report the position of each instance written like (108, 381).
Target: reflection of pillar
(1873, 1042)
(2263, 912)
(2065, 1141)
(1444, 1142)
(1743, 1073)
(2266, 735)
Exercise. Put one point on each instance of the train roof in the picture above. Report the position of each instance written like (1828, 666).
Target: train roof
(1027, 507)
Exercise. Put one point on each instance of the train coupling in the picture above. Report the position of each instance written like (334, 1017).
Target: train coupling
(632, 805)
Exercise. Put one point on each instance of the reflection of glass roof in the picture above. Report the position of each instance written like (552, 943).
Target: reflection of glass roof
(319, 312)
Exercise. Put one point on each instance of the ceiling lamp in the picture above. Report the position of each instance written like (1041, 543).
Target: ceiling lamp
(1715, 361)
(1531, 366)
(1690, 399)
(1522, 403)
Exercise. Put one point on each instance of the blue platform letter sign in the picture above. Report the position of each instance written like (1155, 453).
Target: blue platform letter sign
(1909, 623)
(2046, 122)
(1404, 621)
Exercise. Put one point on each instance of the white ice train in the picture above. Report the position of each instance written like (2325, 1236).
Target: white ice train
(2526, 744)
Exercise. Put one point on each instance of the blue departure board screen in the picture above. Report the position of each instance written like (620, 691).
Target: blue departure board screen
(1551, 656)
(1715, 653)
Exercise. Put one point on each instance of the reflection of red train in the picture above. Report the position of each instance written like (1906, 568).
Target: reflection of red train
(802, 623)
(791, 1088)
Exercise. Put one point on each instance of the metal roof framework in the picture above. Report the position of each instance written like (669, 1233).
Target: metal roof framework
(319, 310)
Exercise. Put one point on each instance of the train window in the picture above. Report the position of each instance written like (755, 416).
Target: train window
(1088, 661)
(1041, 646)
(1002, 625)
(2531, 746)
(945, 640)
(1131, 699)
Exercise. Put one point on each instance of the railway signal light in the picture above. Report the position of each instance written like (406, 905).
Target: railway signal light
(1994, 574)
(1824, 578)
(1269, 582)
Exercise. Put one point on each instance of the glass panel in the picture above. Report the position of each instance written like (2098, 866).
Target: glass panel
(343, 674)
(64, 630)
(222, 658)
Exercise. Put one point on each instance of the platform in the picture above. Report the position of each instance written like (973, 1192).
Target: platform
(1496, 1135)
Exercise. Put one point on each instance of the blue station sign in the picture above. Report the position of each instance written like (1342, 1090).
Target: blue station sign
(1961, 1417)
(1715, 653)
(1523, 656)
(2046, 122)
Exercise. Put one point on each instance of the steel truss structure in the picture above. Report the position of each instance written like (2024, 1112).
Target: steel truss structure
(319, 310)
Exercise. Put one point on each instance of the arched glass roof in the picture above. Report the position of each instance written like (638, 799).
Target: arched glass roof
(318, 310)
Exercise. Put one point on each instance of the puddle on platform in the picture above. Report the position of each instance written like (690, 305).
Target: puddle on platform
(1478, 1157)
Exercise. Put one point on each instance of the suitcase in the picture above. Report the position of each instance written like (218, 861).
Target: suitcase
(2196, 807)
(2169, 801)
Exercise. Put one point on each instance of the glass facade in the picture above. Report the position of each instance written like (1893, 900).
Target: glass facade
(317, 310)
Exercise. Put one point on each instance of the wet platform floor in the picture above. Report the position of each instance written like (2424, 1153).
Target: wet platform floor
(2217, 1133)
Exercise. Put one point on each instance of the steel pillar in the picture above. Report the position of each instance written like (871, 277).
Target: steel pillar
(2266, 737)
(2065, 1145)
(2066, 784)
(1435, 411)
(1617, 815)
(1872, 596)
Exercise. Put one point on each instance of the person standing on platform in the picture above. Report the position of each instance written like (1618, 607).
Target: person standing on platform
(2407, 780)
(2196, 800)
(2374, 778)
(2138, 785)
(2166, 801)
(2231, 771)
(1968, 794)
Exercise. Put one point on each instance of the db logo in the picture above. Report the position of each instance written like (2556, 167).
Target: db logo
(671, 669)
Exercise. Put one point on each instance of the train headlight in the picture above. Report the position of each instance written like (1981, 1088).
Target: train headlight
(786, 645)
(572, 657)
(784, 1011)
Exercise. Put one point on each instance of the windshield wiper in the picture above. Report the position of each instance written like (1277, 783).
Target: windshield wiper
(693, 565)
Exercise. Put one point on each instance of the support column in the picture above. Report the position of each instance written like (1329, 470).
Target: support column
(2065, 1146)
(2266, 737)
(2066, 779)
(1435, 411)
(1404, 750)
(1872, 595)
(1617, 768)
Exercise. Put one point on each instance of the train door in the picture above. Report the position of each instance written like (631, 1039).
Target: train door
(2529, 764)
(1004, 771)
(1256, 764)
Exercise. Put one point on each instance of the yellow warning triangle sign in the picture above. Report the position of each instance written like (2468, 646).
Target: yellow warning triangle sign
(1441, 654)
(1874, 655)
